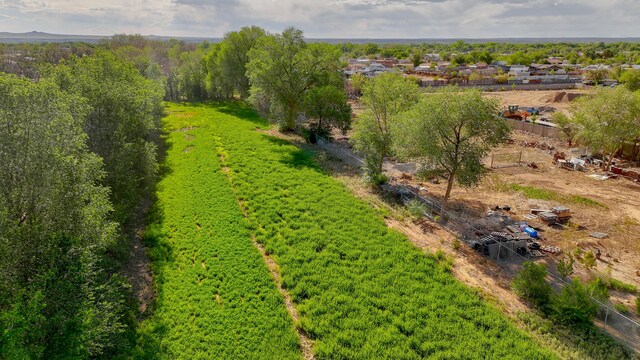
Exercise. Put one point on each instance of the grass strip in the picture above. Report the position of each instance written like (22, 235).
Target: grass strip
(216, 298)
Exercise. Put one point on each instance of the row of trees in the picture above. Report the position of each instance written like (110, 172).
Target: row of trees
(280, 74)
(448, 132)
(77, 153)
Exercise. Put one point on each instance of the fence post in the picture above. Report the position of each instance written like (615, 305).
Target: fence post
(520, 159)
(492, 155)
(606, 316)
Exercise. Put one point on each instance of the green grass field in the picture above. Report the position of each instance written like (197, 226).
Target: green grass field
(216, 297)
(363, 291)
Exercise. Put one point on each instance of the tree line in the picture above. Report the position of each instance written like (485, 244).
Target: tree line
(77, 154)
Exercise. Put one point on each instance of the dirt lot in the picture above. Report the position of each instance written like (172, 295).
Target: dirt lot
(551, 100)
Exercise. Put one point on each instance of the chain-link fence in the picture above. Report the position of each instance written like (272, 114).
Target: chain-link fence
(622, 326)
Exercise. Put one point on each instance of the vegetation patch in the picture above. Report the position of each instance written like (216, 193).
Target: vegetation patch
(216, 298)
(532, 192)
(362, 290)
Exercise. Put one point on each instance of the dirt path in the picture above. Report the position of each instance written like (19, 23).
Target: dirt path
(137, 269)
(306, 344)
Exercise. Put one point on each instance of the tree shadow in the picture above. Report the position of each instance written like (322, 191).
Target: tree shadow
(160, 253)
(292, 155)
(241, 110)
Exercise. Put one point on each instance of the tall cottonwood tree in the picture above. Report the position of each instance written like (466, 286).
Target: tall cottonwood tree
(452, 130)
(283, 67)
(385, 98)
(227, 61)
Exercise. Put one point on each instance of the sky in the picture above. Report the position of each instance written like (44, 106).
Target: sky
(329, 18)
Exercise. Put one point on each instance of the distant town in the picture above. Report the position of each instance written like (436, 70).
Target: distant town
(433, 70)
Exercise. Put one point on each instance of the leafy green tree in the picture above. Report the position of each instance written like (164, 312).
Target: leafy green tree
(385, 98)
(574, 306)
(191, 76)
(475, 76)
(597, 76)
(218, 87)
(565, 267)
(124, 111)
(357, 81)
(519, 58)
(283, 68)
(531, 284)
(55, 300)
(234, 56)
(598, 289)
(416, 59)
(567, 126)
(452, 130)
(607, 119)
(227, 62)
(327, 107)
(631, 79)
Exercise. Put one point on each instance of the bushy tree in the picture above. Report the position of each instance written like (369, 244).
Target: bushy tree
(631, 79)
(124, 110)
(357, 81)
(607, 119)
(565, 267)
(597, 76)
(574, 306)
(191, 79)
(452, 130)
(385, 98)
(567, 126)
(227, 61)
(327, 107)
(589, 260)
(283, 67)
(530, 283)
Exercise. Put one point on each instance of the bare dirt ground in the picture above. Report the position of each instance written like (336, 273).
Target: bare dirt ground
(137, 268)
(559, 100)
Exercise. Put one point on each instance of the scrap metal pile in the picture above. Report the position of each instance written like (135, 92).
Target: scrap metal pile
(501, 237)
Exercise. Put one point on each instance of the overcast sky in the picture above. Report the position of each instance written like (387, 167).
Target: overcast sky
(329, 18)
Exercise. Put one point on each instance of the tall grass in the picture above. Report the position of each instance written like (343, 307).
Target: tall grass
(216, 298)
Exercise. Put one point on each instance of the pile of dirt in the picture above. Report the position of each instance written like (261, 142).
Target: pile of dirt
(561, 97)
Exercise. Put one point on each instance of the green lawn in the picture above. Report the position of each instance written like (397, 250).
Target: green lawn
(216, 297)
(363, 291)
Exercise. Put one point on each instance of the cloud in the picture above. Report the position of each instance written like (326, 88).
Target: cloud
(332, 18)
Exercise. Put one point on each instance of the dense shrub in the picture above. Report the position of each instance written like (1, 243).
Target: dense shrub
(573, 305)
(531, 284)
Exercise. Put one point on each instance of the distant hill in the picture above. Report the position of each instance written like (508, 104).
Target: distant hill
(41, 37)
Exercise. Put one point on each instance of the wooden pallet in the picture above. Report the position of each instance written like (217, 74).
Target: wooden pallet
(551, 249)
(536, 253)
